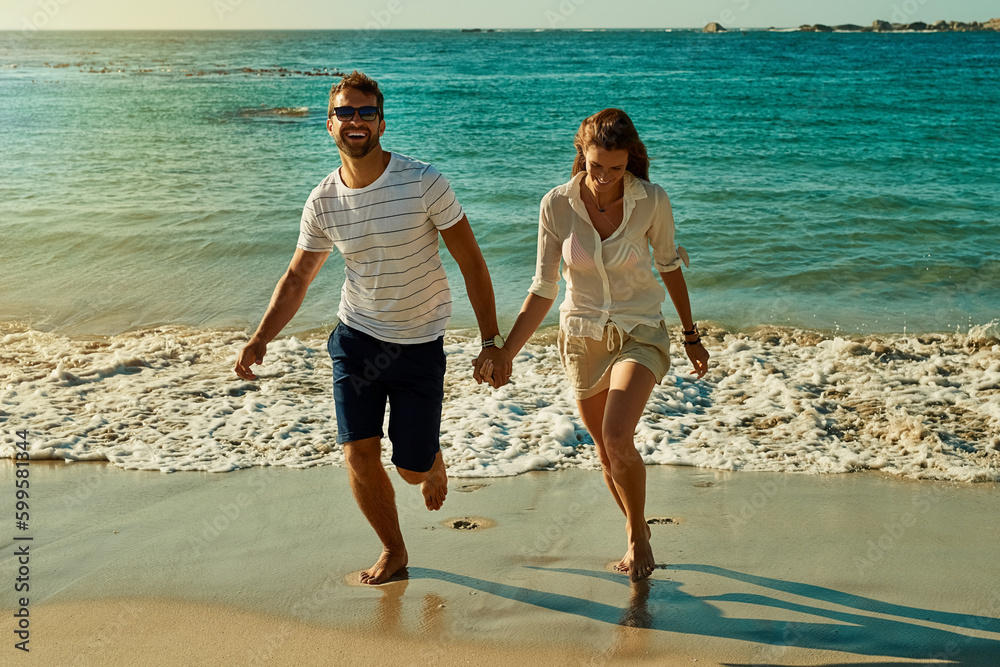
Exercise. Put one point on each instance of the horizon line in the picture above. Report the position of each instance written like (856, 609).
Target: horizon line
(467, 29)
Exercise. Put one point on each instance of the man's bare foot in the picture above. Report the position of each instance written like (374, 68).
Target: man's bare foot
(622, 565)
(435, 487)
(388, 564)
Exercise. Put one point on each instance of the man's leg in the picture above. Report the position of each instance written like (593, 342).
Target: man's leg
(375, 496)
(433, 483)
(360, 398)
(416, 395)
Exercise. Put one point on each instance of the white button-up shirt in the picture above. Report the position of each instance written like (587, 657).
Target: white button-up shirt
(610, 280)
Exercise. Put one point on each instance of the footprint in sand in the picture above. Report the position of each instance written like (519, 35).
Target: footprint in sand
(469, 488)
(469, 523)
(662, 520)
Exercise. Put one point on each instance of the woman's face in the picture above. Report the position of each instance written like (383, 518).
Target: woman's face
(605, 169)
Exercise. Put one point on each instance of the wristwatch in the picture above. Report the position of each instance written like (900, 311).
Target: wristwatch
(496, 341)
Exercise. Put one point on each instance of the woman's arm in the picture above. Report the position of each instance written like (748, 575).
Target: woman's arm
(677, 289)
(532, 313)
(541, 295)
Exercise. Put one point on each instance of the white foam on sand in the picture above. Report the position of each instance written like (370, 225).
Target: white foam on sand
(166, 399)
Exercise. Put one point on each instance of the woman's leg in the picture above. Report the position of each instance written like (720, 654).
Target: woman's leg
(631, 385)
(592, 414)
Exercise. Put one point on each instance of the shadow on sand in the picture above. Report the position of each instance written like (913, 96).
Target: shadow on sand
(660, 604)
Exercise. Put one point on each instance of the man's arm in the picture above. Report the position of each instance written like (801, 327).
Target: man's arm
(285, 302)
(462, 245)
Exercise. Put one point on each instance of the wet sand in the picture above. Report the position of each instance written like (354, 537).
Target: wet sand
(260, 567)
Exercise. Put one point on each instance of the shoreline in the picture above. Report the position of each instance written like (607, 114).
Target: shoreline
(776, 399)
(255, 568)
(987, 329)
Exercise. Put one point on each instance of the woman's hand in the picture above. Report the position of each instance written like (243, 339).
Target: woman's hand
(699, 358)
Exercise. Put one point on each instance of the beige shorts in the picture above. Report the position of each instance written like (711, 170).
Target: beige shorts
(588, 362)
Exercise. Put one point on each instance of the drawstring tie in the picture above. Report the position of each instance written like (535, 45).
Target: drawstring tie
(613, 326)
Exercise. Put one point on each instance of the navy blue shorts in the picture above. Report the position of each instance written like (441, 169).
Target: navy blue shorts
(367, 372)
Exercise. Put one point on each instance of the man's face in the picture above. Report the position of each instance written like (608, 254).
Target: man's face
(355, 138)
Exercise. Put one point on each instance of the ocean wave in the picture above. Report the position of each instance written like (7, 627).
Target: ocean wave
(776, 399)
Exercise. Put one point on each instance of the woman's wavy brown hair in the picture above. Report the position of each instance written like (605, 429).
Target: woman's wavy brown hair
(611, 130)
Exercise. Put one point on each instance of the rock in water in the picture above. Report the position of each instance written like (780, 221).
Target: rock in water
(274, 111)
(881, 26)
(714, 27)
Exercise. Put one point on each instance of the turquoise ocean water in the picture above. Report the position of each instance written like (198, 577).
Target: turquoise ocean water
(831, 181)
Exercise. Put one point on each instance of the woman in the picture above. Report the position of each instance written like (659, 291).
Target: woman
(613, 340)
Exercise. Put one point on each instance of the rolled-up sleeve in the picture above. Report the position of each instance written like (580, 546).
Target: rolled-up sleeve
(661, 235)
(545, 283)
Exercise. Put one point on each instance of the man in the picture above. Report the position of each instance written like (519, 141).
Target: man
(383, 212)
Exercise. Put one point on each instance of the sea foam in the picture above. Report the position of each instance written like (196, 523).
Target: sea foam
(775, 399)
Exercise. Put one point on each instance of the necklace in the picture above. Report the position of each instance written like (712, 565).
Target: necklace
(613, 225)
(602, 210)
(598, 203)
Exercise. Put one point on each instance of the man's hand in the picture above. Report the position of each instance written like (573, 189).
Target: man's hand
(493, 366)
(252, 353)
(285, 300)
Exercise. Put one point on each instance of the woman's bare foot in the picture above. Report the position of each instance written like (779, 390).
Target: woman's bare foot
(388, 564)
(622, 565)
(640, 561)
(435, 487)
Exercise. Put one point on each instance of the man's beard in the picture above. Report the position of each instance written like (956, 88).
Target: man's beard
(354, 150)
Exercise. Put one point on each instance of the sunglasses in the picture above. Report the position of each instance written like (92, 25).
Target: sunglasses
(345, 114)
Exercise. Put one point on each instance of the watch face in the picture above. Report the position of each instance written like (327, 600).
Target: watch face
(496, 341)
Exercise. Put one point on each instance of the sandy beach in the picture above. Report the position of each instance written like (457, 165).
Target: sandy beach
(827, 494)
(259, 567)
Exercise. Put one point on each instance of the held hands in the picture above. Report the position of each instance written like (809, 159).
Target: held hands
(493, 366)
(252, 353)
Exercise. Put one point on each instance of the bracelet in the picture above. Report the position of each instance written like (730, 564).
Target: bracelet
(693, 332)
(693, 342)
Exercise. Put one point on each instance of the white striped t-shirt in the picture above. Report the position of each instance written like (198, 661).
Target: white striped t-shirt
(396, 288)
